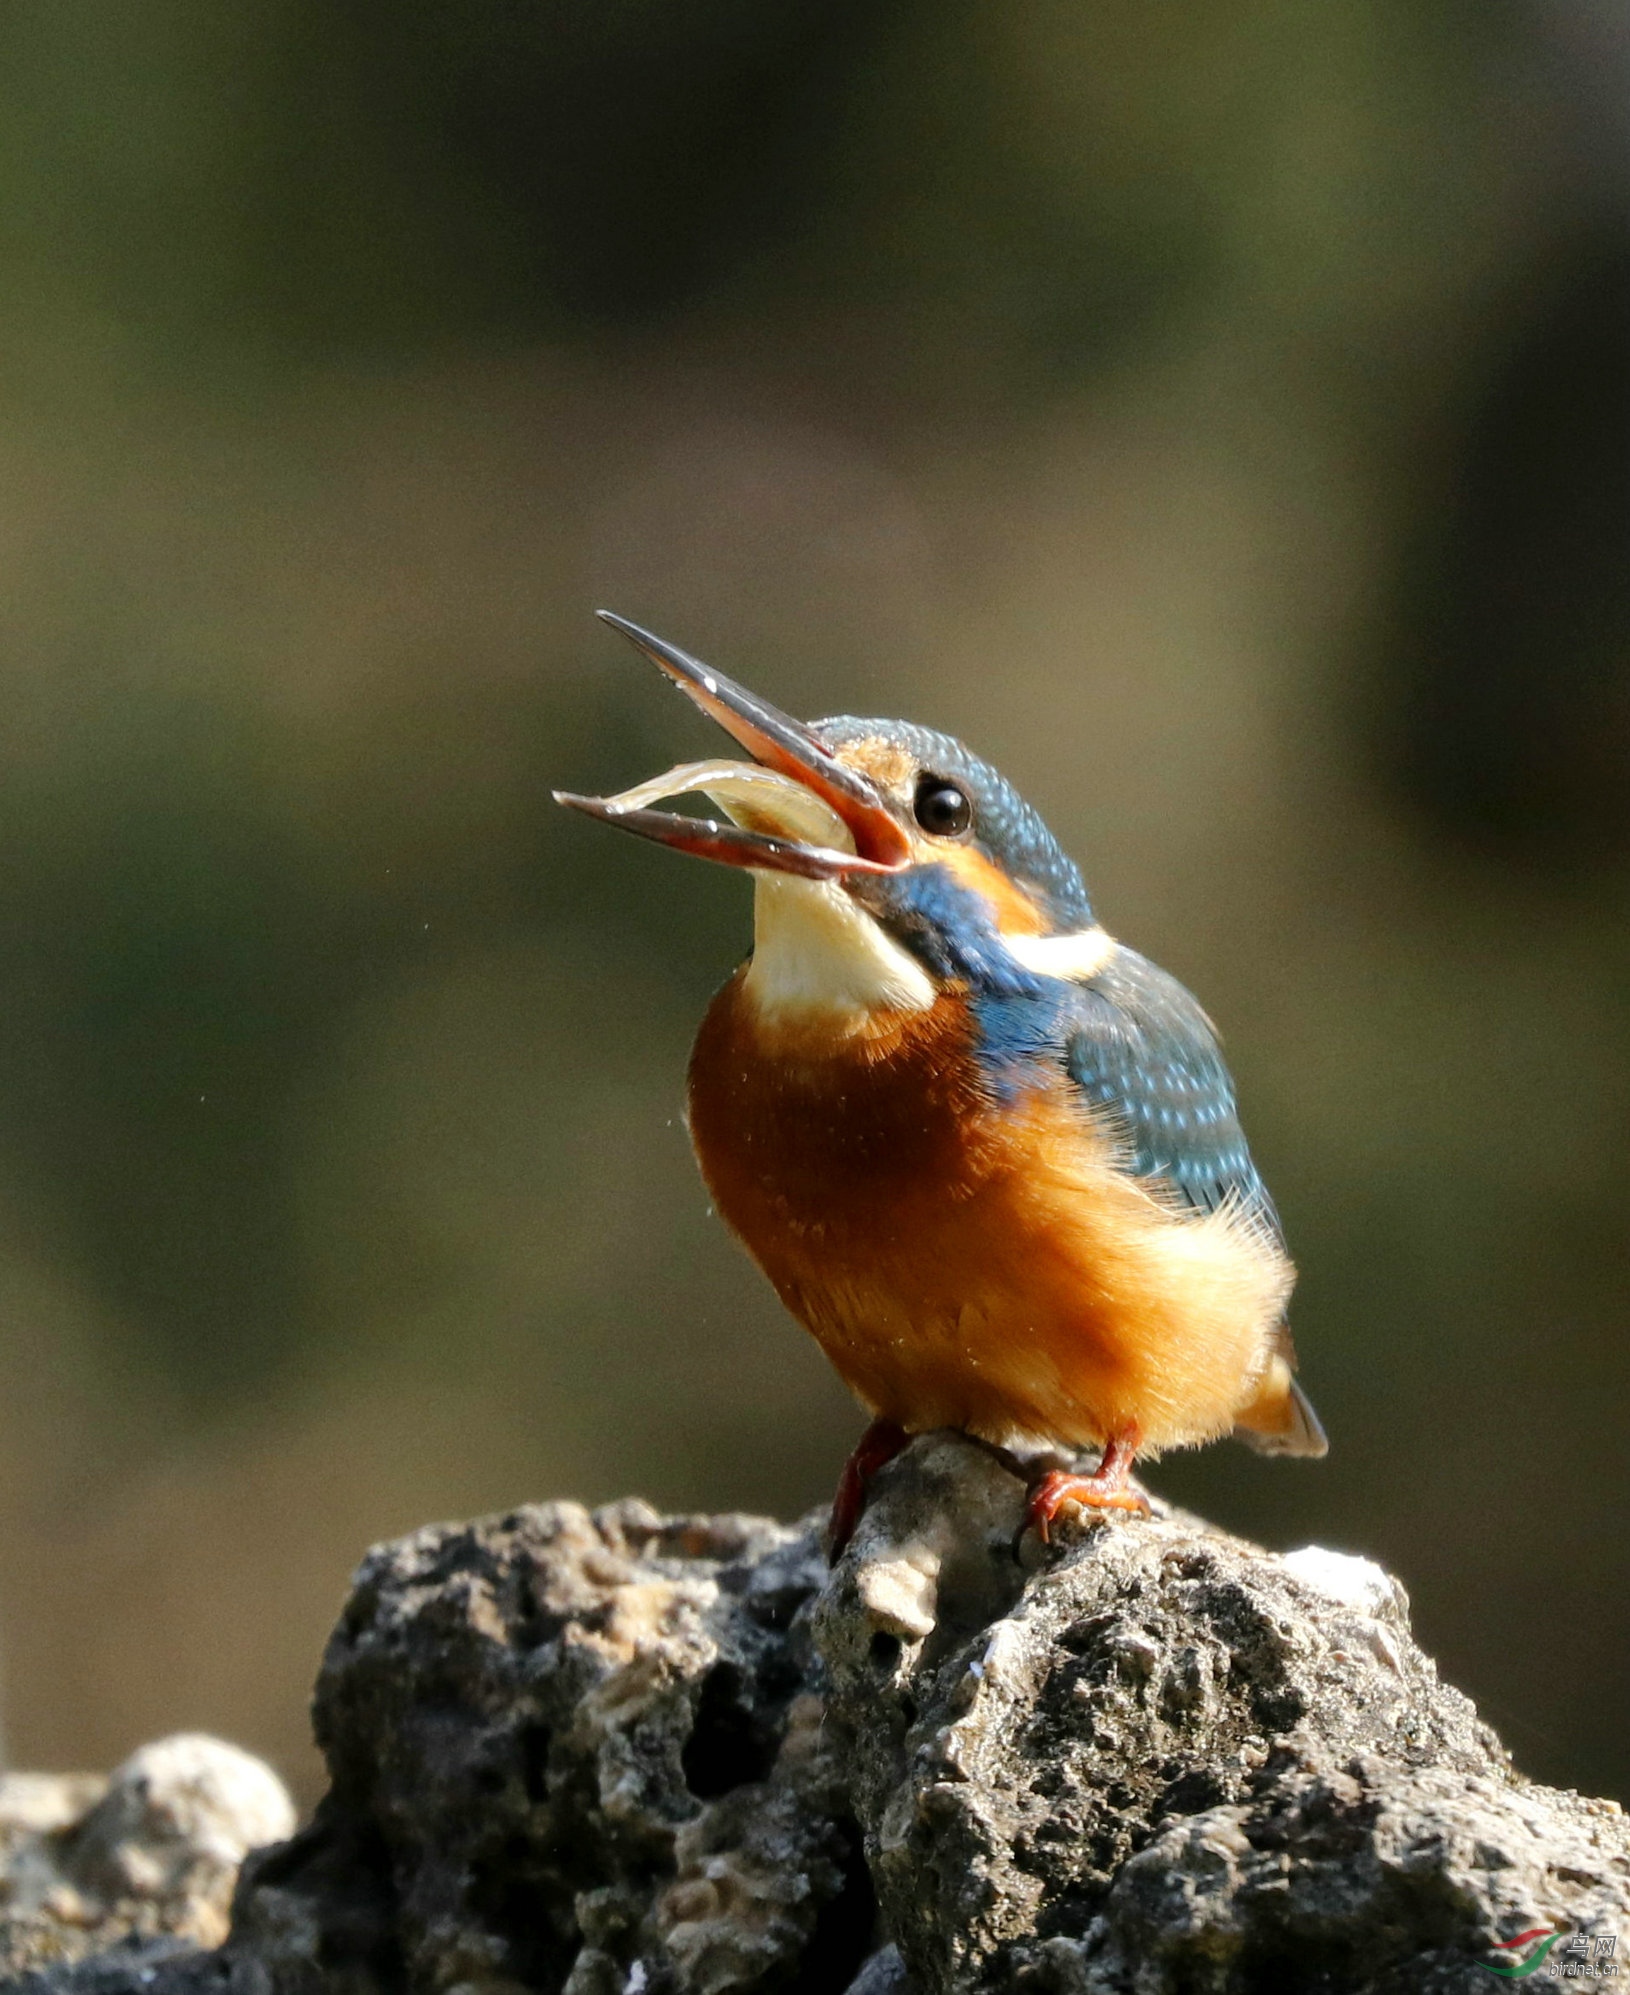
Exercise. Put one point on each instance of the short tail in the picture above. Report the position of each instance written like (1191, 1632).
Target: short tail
(1280, 1419)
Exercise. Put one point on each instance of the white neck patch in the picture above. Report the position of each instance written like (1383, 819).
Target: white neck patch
(1073, 957)
(817, 955)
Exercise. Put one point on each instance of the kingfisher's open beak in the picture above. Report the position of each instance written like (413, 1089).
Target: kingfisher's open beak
(795, 808)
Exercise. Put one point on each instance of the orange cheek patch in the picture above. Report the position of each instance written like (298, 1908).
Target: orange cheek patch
(1016, 913)
(893, 771)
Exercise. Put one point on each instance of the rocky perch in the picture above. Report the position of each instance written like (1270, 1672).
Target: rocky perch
(624, 1754)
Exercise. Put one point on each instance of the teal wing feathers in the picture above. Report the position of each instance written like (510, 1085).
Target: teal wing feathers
(1146, 1059)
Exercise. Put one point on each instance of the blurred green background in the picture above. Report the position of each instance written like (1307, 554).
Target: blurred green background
(1219, 415)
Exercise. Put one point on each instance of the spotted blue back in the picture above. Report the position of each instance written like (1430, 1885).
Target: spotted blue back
(1143, 1053)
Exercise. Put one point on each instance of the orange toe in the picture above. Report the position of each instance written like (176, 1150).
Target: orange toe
(1093, 1492)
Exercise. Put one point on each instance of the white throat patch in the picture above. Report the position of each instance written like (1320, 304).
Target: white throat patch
(817, 955)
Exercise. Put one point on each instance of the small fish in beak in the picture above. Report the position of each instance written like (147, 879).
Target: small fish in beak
(794, 809)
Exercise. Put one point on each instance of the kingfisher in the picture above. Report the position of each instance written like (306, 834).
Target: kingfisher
(988, 1156)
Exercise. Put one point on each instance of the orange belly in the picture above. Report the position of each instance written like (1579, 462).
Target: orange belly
(968, 1264)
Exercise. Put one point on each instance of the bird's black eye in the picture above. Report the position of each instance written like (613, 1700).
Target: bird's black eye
(942, 808)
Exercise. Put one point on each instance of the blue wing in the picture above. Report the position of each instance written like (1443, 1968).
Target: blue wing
(1144, 1055)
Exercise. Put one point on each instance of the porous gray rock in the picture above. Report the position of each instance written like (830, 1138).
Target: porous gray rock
(623, 1754)
(1170, 1760)
(146, 1857)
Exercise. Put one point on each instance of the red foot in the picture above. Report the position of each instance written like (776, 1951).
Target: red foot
(1107, 1490)
(878, 1446)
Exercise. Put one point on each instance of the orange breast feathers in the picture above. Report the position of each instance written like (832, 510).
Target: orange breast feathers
(970, 1263)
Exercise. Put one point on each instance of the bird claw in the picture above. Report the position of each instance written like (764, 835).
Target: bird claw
(1107, 1490)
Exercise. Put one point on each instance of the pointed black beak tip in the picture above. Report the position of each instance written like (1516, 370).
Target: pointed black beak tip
(776, 741)
(589, 806)
(647, 640)
(689, 673)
